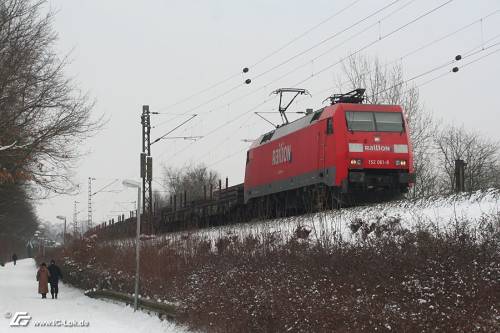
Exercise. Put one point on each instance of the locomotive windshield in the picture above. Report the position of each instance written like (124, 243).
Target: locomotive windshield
(374, 121)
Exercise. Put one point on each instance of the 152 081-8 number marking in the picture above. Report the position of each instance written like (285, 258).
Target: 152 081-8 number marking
(378, 162)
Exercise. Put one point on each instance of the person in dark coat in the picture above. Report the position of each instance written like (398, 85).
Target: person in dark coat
(42, 276)
(55, 275)
(14, 258)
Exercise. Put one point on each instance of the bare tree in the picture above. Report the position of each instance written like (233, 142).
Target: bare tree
(18, 220)
(159, 200)
(44, 117)
(386, 85)
(480, 154)
(190, 179)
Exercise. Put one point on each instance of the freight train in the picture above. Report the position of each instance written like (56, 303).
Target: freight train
(334, 156)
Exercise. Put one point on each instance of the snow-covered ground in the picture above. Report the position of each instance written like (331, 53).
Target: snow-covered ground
(439, 212)
(18, 293)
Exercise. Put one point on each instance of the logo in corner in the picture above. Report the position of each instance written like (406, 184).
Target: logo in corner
(20, 319)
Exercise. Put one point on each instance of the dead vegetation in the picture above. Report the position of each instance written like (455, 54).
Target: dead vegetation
(390, 280)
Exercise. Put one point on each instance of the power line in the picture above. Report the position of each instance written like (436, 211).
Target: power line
(305, 33)
(176, 127)
(293, 57)
(429, 44)
(316, 45)
(218, 145)
(263, 58)
(408, 54)
(104, 187)
(328, 67)
(348, 39)
(446, 64)
(413, 78)
(418, 18)
(227, 157)
(225, 124)
(328, 38)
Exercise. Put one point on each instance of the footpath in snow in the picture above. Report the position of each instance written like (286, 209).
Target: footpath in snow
(19, 293)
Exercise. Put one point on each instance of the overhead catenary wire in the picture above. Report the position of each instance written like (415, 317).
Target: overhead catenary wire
(459, 67)
(176, 127)
(304, 33)
(469, 53)
(261, 60)
(219, 144)
(420, 85)
(357, 34)
(443, 65)
(407, 24)
(348, 39)
(394, 31)
(427, 72)
(104, 187)
(425, 46)
(329, 38)
(224, 124)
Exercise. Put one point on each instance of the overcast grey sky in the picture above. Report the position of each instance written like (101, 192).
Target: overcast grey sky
(130, 53)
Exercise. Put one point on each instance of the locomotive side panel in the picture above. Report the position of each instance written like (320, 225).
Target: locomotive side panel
(290, 161)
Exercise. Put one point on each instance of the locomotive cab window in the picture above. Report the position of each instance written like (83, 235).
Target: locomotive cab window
(388, 121)
(374, 121)
(329, 126)
(360, 121)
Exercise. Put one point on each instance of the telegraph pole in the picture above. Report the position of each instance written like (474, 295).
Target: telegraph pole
(89, 206)
(146, 166)
(75, 220)
(460, 175)
(147, 161)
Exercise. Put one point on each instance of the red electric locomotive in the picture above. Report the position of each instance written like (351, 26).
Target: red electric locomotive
(338, 154)
(347, 147)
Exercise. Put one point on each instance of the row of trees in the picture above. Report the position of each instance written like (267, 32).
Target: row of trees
(191, 179)
(44, 117)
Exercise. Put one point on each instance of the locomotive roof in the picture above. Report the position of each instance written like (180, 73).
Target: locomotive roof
(309, 119)
(288, 128)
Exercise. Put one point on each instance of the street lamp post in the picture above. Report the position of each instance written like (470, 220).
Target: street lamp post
(64, 234)
(137, 185)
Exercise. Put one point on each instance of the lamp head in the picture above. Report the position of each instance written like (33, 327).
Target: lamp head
(131, 183)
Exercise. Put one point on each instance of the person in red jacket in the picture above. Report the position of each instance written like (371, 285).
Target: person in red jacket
(42, 276)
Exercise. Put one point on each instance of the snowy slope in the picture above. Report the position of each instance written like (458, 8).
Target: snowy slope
(438, 212)
(18, 292)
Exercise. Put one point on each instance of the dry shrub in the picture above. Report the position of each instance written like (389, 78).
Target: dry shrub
(418, 281)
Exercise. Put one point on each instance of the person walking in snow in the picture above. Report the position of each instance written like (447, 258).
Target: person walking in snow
(14, 258)
(42, 276)
(55, 275)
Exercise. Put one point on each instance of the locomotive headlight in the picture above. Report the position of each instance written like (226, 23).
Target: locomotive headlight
(356, 162)
(355, 147)
(401, 162)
